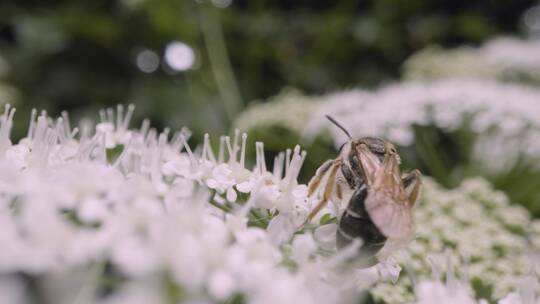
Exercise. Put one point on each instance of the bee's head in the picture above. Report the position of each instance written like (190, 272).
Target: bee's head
(377, 146)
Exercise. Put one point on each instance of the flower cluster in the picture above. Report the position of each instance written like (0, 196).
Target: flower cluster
(125, 215)
(508, 59)
(504, 116)
(121, 215)
(483, 245)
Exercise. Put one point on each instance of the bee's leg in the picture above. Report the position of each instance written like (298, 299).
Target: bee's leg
(339, 191)
(412, 184)
(327, 191)
(316, 179)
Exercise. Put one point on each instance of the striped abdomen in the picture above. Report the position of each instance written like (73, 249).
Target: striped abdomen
(356, 223)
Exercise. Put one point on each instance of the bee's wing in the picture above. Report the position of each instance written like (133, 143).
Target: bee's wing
(369, 163)
(387, 203)
(393, 218)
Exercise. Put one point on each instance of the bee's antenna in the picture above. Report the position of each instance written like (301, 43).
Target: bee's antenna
(339, 126)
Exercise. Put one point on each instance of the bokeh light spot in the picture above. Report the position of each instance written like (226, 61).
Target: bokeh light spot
(179, 56)
(147, 61)
(532, 18)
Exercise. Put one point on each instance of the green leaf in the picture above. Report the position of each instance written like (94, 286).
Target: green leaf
(113, 153)
(327, 219)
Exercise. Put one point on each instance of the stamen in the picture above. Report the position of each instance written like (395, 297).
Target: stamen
(67, 125)
(287, 161)
(102, 149)
(294, 167)
(207, 149)
(229, 148)
(188, 150)
(155, 171)
(59, 128)
(180, 143)
(145, 127)
(74, 133)
(151, 136)
(32, 125)
(86, 129)
(261, 163)
(235, 143)
(221, 149)
(278, 165)
(6, 122)
(243, 151)
(258, 158)
(119, 116)
(128, 116)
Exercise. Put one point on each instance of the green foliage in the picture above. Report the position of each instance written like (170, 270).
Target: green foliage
(327, 219)
(112, 154)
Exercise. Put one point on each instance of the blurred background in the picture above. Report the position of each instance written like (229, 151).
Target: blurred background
(209, 65)
(199, 63)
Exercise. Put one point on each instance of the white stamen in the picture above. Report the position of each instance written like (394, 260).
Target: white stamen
(6, 122)
(235, 143)
(188, 150)
(263, 160)
(119, 116)
(32, 124)
(278, 165)
(127, 118)
(145, 126)
(207, 153)
(287, 160)
(74, 133)
(243, 151)
(230, 149)
(221, 149)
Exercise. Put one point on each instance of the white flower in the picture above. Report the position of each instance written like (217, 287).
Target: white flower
(223, 182)
(436, 292)
(221, 285)
(281, 228)
(303, 248)
(325, 236)
(147, 222)
(17, 155)
(511, 298)
(503, 58)
(388, 270)
(505, 129)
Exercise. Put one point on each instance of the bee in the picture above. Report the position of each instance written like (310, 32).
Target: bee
(380, 199)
